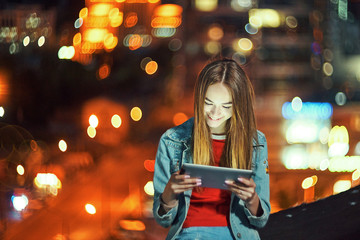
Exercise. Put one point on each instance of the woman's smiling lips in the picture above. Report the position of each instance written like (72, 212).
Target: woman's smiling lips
(213, 119)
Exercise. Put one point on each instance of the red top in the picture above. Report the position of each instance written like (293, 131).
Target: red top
(209, 206)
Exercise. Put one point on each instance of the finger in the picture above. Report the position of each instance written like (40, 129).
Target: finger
(246, 182)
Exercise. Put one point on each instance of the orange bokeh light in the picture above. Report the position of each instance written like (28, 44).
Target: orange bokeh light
(135, 42)
(104, 71)
(151, 67)
(131, 20)
(149, 165)
(179, 118)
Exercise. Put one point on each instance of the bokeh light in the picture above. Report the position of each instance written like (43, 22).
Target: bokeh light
(309, 182)
(20, 169)
(179, 118)
(93, 121)
(136, 114)
(116, 121)
(151, 67)
(91, 131)
(149, 188)
(62, 145)
(89, 208)
(341, 186)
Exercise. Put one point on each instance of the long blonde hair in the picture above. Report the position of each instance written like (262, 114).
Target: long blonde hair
(240, 128)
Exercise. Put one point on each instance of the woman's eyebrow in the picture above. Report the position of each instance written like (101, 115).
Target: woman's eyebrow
(206, 99)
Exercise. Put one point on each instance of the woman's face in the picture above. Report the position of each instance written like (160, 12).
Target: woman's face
(217, 107)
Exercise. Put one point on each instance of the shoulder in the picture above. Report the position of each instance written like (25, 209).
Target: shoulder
(260, 139)
(180, 133)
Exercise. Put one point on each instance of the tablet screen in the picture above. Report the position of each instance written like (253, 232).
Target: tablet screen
(214, 177)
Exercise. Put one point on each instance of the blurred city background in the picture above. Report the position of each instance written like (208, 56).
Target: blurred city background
(87, 87)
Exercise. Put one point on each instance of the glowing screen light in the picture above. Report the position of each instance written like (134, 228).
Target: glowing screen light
(310, 110)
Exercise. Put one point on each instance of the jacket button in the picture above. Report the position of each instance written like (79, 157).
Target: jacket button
(238, 235)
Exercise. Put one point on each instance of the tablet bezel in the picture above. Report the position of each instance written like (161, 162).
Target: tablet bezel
(213, 176)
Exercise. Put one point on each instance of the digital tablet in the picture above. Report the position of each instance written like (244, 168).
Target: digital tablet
(212, 176)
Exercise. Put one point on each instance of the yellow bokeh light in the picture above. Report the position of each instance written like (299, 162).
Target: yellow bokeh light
(245, 44)
(149, 188)
(265, 18)
(168, 10)
(136, 113)
(62, 145)
(95, 35)
(91, 131)
(116, 121)
(116, 17)
(355, 175)
(77, 39)
(215, 32)
(26, 41)
(89, 208)
(83, 13)
(206, 5)
(151, 67)
(110, 41)
(212, 47)
(100, 9)
(20, 169)
(41, 41)
(309, 182)
(93, 121)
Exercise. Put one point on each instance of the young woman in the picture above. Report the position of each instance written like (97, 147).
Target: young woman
(222, 133)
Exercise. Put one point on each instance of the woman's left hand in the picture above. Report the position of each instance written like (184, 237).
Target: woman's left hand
(245, 190)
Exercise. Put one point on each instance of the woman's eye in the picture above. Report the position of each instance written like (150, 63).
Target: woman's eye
(227, 107)
(206, 103)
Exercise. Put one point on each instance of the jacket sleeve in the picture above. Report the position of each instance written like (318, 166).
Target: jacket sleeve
(162, 174)
(261, 179)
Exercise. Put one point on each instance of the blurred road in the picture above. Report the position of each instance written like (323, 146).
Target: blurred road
(114, 187)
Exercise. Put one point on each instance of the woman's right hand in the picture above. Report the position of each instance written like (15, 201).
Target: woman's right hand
(178, 183)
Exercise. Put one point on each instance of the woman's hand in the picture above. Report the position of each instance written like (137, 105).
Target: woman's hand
(178, 183)
(245, 190)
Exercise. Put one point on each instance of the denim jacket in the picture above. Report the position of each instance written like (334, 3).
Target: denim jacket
(173, 150)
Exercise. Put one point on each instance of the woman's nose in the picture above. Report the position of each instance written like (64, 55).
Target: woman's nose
(215, 110)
